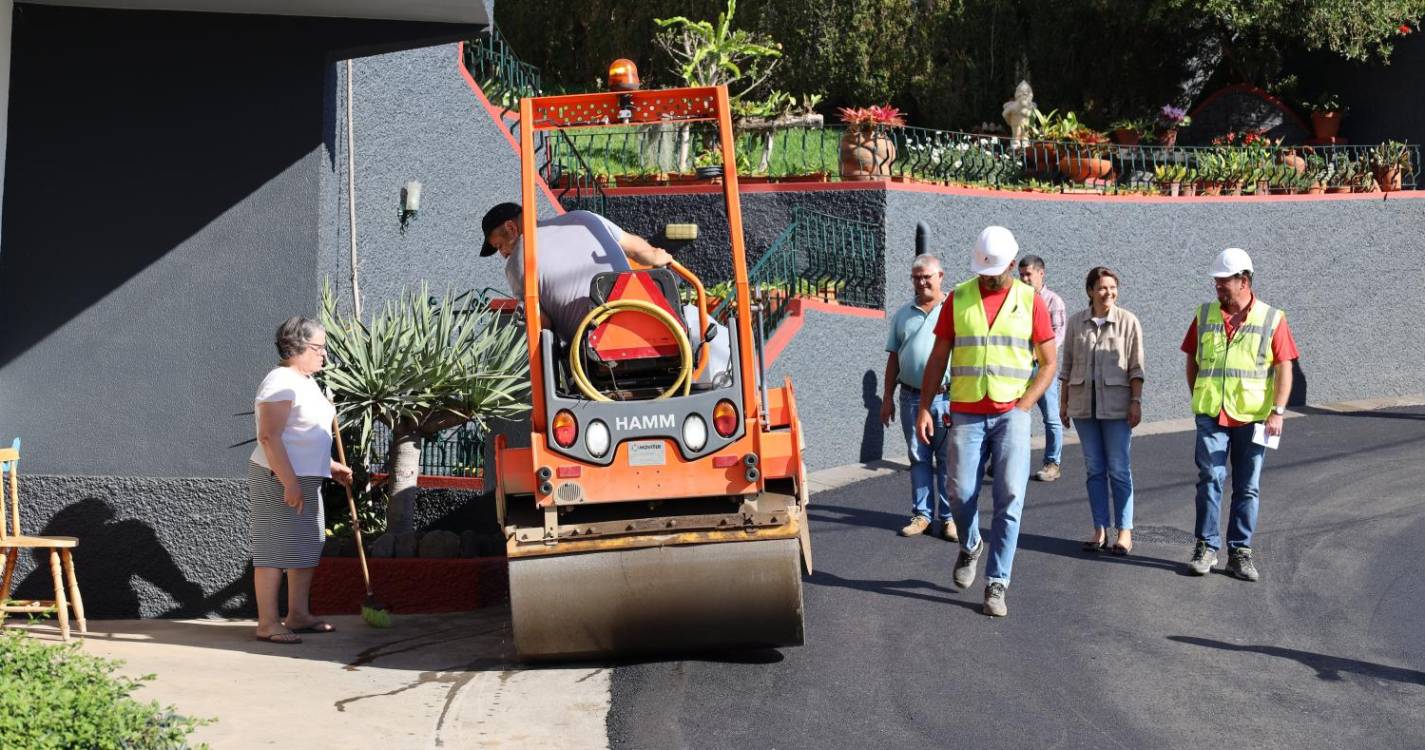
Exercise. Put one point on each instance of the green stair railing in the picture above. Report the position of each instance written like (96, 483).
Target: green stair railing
(818, 256)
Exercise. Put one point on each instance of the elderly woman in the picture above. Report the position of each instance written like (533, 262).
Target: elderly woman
(1101, 371)
(284, 479)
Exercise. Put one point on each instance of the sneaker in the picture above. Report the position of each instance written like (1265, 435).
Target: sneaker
(965, 564)
(1240, 565)
(1203, 558)
(916, 527)
(1048, 473)
(994, 600)
(948, 532)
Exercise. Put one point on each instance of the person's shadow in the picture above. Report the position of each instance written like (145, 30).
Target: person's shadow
(111, 553)
(873, 435)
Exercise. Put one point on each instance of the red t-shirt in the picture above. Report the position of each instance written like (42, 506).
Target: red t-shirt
(993, 301)
(1283, 347)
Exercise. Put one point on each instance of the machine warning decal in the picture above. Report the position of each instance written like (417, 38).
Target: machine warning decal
(647, 453)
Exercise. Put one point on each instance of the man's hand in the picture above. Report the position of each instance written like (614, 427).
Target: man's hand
(924, 425)
(888, 410)
(1274, 425)
(1135, 414)
(1064, 414)
(1026, 406)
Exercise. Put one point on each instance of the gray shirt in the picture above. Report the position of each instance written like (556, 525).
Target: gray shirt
(573, 248)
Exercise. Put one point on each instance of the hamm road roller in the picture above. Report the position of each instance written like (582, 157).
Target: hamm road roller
(661, 503)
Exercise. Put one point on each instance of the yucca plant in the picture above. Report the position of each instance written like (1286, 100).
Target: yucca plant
(423, 365)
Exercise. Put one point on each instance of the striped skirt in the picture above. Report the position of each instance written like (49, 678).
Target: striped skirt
(280, 537)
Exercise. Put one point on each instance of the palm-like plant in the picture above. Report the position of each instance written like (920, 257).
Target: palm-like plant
(422, 365)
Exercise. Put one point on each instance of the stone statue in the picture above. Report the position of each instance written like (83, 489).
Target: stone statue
(1019, 113)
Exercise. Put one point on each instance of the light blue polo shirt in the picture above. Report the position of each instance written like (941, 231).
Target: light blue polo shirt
(912, 338)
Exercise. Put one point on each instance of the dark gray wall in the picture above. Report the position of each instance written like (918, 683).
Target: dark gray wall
(416, 118)
(163, 217)
(1384, 100)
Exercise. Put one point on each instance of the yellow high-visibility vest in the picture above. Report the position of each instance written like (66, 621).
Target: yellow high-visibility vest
(995, 361)
(1235, 376)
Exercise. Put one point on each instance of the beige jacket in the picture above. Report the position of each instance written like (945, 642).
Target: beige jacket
(1096, 364)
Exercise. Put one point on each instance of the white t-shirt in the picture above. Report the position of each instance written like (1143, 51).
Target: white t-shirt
(307, 436)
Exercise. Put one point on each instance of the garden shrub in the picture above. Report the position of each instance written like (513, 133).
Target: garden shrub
(56, 696)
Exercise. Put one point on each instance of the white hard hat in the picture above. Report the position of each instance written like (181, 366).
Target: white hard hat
(1230, 262)
(994, 251)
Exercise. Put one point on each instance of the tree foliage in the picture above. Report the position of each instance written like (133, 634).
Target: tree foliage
(952, 63)
(707, 53)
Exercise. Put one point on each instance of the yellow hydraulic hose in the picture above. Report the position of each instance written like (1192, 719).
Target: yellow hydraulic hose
(606, 310)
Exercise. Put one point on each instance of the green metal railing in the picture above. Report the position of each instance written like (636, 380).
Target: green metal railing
(458, 452)
(818, 256)
(665, 155)
(503, 77)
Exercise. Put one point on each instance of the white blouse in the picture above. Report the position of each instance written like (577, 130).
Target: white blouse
(307, 436)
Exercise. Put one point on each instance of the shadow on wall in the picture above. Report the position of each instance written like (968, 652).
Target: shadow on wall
(111, 554)
(1297, 397)
(872, 433)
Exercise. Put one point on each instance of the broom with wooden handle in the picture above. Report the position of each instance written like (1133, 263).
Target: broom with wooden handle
(373, 612)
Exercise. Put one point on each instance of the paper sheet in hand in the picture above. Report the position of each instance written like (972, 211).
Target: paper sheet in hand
(1259, 436)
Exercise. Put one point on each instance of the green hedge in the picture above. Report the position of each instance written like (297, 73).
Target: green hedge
(56, 696)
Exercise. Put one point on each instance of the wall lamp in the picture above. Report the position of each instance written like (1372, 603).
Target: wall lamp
(410, 203)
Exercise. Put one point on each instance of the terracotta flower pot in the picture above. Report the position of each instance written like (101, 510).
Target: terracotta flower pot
(1290, 158)
(1210, 188)
(866, 155)
(1168, 138)
(1388, 178)
(1040, 157)
(1126, 137)
(1326, 125)
(1316, 189)
(1086, 168)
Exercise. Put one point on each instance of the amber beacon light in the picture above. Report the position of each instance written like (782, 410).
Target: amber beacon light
(623, 75)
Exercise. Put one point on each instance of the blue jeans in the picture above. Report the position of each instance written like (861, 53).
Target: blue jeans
(1053, 428)
(1108, 460)
(1005, 438)
(927, 462)
(1215, 446)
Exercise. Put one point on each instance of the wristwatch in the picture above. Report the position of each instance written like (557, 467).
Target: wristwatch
(1278, 410)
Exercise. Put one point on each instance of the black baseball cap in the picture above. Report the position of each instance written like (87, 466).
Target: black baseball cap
(493, 218)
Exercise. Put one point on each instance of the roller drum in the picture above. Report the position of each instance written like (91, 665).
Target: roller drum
(657, 599)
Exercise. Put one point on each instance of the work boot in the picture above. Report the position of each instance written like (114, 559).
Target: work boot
(916, 527)
(1048, 473)
(948, 532)
(994, 600)
(964, 574)
(1240, 565)
(1203, 558)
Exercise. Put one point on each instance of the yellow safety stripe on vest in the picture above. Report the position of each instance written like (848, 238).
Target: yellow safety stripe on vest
(994, 341)
(1000, 370)
(1268, 330)
(1259, 374)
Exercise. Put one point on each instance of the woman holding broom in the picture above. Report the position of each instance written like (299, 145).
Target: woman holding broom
(284, 477)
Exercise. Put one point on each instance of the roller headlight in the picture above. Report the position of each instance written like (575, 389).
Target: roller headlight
(596, 438)
(695, 432)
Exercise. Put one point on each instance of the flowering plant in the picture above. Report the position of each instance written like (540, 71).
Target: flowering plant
(1172, 118)
(874, 116)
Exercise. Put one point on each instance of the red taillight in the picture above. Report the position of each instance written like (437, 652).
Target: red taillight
(565, 429)
(725, 418)
(569, 472)
(722, 462)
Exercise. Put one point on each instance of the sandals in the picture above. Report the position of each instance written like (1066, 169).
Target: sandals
(316, 627)
(1096, 546)
(285, 639)
(1120, 550)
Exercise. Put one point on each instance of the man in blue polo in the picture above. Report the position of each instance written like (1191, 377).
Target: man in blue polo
(908, 347)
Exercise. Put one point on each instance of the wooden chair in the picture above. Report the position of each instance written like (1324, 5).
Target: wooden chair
(61, 562)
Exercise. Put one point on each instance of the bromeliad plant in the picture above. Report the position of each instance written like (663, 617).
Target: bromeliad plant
(421, 366)
(876, 117)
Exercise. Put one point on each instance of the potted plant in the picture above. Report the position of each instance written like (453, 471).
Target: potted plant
(1388, 161)
(866, 151)
(1084, 158)
(1171, 118)
(1326, 114)
(1340, 174)
(1130, 132)
(1314, 175)
(1169, 178)
(1041, 156)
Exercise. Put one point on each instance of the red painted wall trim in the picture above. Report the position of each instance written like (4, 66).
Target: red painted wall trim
(499, 121)
(974, 192)
(796, 316)
(1247, 88)
(433, 482)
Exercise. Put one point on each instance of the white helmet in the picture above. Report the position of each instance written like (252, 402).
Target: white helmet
(994, 251)
(1230, 262)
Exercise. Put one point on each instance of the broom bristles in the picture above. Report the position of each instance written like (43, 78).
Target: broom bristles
(375, 613)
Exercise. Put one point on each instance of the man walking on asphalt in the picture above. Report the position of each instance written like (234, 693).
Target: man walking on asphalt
(995, 328)
(1239, 354)
(1031, 272)
(911, 338)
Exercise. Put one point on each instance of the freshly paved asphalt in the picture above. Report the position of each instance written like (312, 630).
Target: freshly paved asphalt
(1098, 651)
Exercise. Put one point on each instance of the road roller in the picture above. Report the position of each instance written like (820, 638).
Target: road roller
(659, 506)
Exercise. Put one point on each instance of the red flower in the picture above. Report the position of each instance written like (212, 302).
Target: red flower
(1404, 29)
